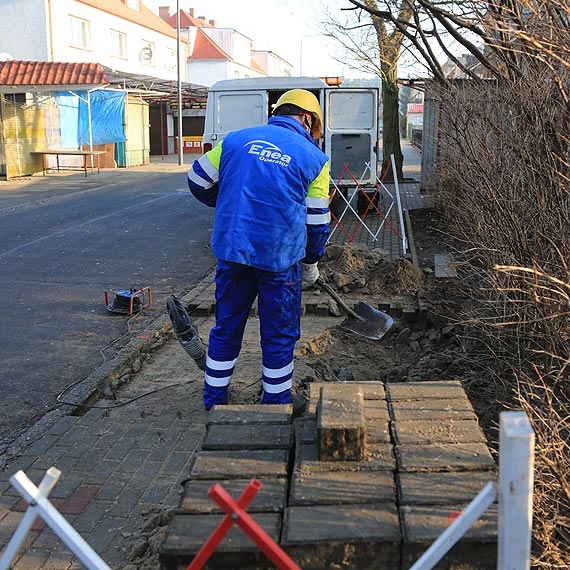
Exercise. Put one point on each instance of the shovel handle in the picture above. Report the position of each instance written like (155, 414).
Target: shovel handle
(326, 287)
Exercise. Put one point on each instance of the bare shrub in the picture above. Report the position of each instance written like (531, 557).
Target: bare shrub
(505, 181)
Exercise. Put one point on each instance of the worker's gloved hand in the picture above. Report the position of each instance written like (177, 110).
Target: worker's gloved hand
(310, 275)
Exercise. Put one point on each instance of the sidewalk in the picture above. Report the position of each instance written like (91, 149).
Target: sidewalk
(123, 459)
(122, 467)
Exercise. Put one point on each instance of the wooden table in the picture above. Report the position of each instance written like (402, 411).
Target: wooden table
(70, 152)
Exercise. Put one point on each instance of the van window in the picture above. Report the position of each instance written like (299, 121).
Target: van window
(351, 111)
(239, 110)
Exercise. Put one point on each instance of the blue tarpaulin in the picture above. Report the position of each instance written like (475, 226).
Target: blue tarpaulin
(107, 112)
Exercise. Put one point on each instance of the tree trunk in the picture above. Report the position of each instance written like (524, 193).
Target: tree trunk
(391, 128)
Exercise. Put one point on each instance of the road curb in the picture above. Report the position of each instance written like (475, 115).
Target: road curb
(89, 390)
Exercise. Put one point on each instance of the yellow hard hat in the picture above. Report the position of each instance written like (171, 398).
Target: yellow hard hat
(308, 102)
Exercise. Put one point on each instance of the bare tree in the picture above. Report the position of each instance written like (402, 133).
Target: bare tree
(374, 44)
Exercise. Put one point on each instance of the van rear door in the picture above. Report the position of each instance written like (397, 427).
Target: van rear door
(351, 133)
(233, 110)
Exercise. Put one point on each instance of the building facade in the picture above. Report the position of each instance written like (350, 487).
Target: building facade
(217, 54)
(122, 35)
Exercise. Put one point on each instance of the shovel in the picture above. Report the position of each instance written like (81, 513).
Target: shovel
(364, 320)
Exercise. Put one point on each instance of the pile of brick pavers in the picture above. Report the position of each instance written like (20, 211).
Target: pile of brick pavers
(367, 478)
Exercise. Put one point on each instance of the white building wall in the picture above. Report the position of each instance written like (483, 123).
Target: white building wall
(236, 45)
(24, 30)
(162, 65)
(207, 71)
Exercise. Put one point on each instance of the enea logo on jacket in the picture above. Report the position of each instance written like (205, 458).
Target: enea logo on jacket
(268, 152)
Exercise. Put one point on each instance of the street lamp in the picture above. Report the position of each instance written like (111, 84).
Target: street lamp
(180, 141)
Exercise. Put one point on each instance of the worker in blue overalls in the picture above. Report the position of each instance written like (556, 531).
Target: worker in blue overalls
(270, 187)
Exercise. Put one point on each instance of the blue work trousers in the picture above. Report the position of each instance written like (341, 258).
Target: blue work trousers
(279, 307)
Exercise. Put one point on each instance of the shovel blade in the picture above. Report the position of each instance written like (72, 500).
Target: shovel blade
(373, 324)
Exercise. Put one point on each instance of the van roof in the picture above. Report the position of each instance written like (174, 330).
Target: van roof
(268, 83)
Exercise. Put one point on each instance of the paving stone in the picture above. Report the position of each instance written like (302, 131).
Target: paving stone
(126, 503)
(341, 427)
(82, 445)
(31, 559)
(176, 463)
(457, 408)
(422, 525)
(441, 488)
(371, 390)
(376, 410)
(156, 493)
(444, 457)
(379, 457)
(64, 424)
(437, 431)
(103, 535)
(239, 436)
(80, 499)
(240, 464)
(352, 523)
(335, 389)
(444, 266)
(342, 487)
(90, 517)
(270, 498)
(354, 556)
(186, 534)
(251, 414)
(309, 430)
(441, 390)
(120, 448)
(377, 431)
(145, 474)
(42, 445)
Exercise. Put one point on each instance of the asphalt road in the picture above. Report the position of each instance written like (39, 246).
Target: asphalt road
(64, 241)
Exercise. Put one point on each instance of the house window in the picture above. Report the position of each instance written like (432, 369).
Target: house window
(79, 32)
(146, 53)
(134, 4)
(118, 44)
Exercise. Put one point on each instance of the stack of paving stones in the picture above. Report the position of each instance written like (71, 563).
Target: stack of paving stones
(374, 474)
(442, 463)
(241, 443)
(342, 511)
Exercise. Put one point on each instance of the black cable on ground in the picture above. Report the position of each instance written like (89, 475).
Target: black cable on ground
(70, 386)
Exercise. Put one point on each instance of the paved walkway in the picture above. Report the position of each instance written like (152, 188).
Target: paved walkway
(122, 467)
(380, 226)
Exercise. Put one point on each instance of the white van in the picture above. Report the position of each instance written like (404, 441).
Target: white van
(350, 119)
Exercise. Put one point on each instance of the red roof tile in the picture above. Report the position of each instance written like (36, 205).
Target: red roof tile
(41, 73)
(188, 21)
(257, 67)
(206, 48)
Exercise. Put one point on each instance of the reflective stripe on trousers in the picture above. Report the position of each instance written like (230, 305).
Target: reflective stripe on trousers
(279, 306)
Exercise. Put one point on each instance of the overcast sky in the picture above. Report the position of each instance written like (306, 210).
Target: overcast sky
(290, 28)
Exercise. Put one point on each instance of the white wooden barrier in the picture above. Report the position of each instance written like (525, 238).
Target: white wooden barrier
(516, 477)
(37, 498)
